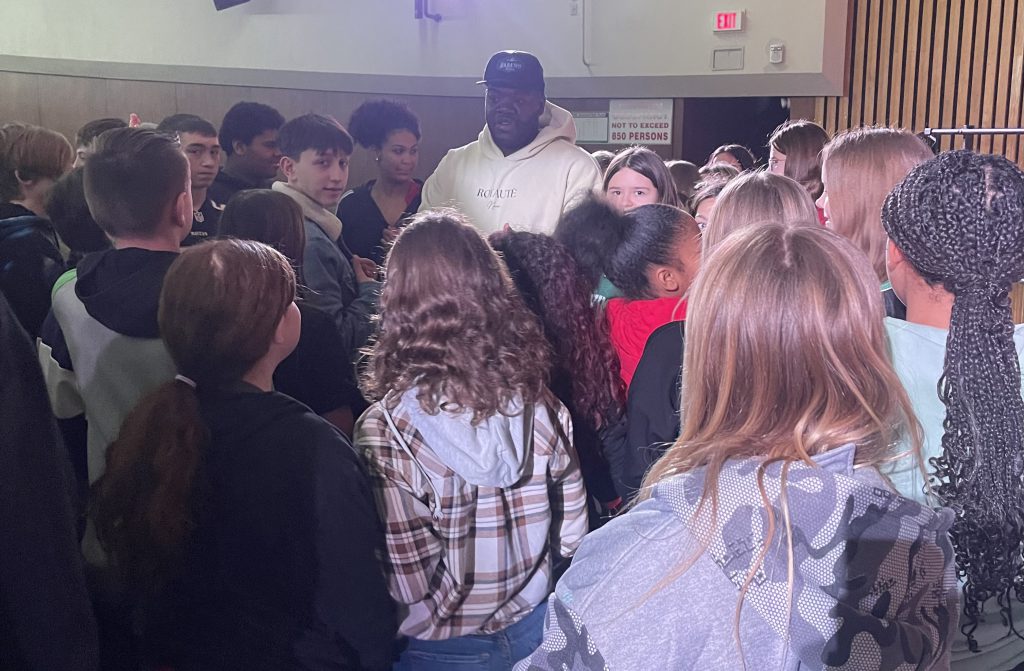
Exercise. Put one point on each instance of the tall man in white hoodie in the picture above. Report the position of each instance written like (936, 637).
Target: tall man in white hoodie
(524, 169)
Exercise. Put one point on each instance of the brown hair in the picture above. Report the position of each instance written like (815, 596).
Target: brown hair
(801, 143)
(453, 325)
(758, 197)
(686, 177)
(786, 358)
(651, 166)
(862, 166)
(269, 217)
(132, 180)
(220, 306)
(31, 152)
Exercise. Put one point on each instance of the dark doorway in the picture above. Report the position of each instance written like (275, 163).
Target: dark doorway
(711, 122)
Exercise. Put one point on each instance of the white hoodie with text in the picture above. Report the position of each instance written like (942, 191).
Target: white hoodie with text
(528, 189)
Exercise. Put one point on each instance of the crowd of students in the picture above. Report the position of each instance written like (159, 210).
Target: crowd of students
(719, 417)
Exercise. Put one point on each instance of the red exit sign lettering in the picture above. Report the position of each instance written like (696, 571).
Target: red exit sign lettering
(725, 21)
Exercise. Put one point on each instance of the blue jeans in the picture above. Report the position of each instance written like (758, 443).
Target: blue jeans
(477, 652)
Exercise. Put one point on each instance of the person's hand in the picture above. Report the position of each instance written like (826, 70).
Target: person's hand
(133, 120)
(366, 270)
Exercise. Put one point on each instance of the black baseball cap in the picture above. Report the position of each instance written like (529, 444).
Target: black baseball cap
(514, 70)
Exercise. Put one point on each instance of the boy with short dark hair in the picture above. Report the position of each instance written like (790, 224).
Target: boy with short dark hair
(199, 143)
(315, 152)
(100, 347)
(248, 138)
(87, 134)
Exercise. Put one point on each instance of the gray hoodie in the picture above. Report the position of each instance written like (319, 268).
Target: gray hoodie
(873, 584)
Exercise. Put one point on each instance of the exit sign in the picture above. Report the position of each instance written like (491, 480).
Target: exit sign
(725, 21)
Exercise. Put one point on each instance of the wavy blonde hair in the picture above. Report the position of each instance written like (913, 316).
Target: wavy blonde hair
(757, 198)
(786, 358)
(453, 325)
(860, 167)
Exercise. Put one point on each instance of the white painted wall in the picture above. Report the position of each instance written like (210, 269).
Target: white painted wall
(624, 38)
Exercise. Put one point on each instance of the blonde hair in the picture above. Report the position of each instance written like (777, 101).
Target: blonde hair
(786, 358)
(862, 166)
(758, 198)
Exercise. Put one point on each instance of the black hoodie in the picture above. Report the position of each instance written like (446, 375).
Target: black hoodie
(30, 262)
(282, 569)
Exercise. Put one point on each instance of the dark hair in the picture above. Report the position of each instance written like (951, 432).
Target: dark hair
(69, 213)
(452, 324)
(555, 290)
(652, 239)
(187, 123)
(591, 230)
(93, 129)
(132, 179)
(604, 158)
(686, 175)
(374, 120)
(959, 221)
(743, 156)
(716, 172)
(313, 131)
(801, 142)
(219, 309)
(244, 121)
(31, 152)
(269, 217)
(645, 162)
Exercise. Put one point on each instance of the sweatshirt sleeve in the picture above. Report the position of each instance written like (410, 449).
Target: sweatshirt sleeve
(437, 190)
(349, 542)
(323, 274)
(46, 621)
(567, 495)
(567, 645)
(583, 177)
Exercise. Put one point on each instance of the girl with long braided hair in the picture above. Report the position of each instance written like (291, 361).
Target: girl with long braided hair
(956, 230)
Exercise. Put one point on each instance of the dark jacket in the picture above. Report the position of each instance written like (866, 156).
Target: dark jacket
(363, 223)
(45, 618)
(226, 185)
(652, 405)
(30, 262)
(281, 571)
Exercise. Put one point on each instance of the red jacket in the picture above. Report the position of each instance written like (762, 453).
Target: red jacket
(630, 323)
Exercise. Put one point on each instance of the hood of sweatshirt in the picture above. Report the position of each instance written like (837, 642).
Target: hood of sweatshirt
(555, 124)
(312, 210)
(490, 454)
(120, 288)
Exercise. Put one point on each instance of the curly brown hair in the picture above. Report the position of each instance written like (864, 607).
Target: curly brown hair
(453, 325)
(555, 289)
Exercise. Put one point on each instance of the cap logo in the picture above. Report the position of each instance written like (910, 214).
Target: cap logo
(510, 66)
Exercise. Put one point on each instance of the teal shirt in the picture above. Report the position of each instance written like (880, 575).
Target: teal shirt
(918, 354)
(606, 289)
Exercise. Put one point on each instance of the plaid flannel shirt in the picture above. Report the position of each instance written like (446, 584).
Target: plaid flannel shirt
(473, 559)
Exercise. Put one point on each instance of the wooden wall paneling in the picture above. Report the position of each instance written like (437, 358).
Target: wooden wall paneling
(152, 101)
(993, 35)
(1014, 117)
(871, 46)
(883, 98)
(65, 103)
(855, 48)
(907, 32)
(1001, 115)
(209, 102)
(939, 62)
(923, 77)
(20, 100)
(976, 78)
(819, 114)
(292, 102)
(958, 51)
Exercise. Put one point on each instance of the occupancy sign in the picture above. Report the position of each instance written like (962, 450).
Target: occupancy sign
(640, 121)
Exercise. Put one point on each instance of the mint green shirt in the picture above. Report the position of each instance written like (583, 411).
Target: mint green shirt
(918, 354)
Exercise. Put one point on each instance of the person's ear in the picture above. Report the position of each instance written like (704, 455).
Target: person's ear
(239, 147)
(183, 210)
(287, 167)
(667, 280)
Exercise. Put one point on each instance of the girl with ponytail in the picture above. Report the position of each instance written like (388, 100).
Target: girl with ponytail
(241, 522)
(956, 245)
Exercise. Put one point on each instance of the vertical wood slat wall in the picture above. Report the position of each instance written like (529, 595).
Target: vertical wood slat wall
(934, 64)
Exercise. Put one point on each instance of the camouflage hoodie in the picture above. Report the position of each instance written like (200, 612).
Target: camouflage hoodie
(873, 582)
